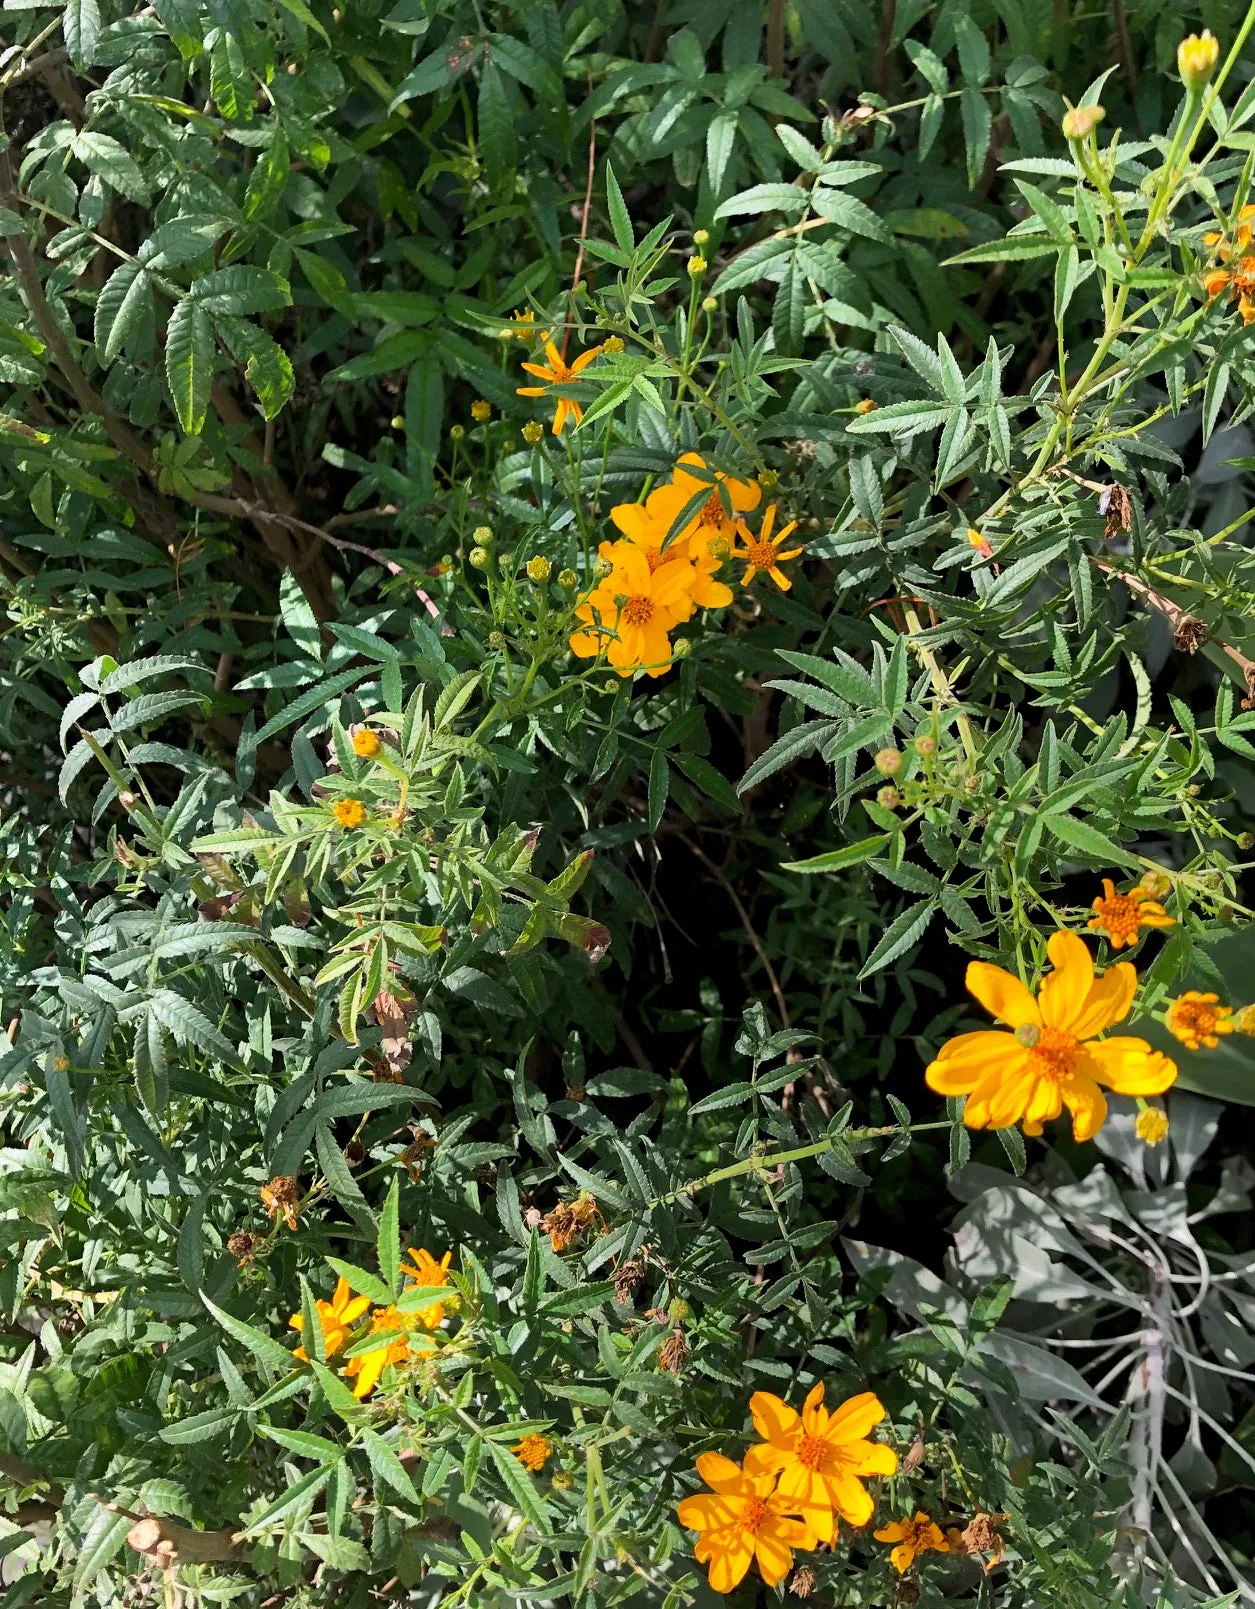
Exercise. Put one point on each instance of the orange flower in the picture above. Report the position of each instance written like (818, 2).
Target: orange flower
(741, 1519)
(1197, 1019)
(1121, 915)
(349, 812)
(822, 1458)
(1052, 1058)
(532, 1452)
(762, 552)
(1238, 280)
(426, 1274)
(920, 1535)
(367, 1366)
(647, 525)
(558, 372)
(366, 744)
(336, 1318)
(639, 606)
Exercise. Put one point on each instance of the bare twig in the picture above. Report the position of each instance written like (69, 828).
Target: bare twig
(759, 950)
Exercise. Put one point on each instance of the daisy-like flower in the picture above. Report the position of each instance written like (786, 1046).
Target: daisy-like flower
(822, 1458)
(349, 812)
(1052, 1057)
(366, 744)
(646, 525)
(557, 371)
(913, 1537)
(336, 1318)
(742, 1518)
(533, 1452)
(1197, 1020)
(762, 552)
(1121, 915)
(1236, 276)
(640, 606)
(426, 1274)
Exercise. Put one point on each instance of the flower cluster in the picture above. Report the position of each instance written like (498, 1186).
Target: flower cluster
(393, 1327)
(787, 1495)
(1235, 274)
(664, 565)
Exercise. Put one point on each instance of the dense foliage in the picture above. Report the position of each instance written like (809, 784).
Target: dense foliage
(572, 574)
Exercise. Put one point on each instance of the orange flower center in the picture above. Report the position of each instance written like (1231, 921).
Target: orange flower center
(761, 555)
(1121, 914)
(1055, 1054)
(639, 610)
(1195, 1019)
(811, 1451)
(754, 1513)
(713, 511)
(653, 557)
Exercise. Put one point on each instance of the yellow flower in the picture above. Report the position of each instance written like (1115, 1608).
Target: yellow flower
(366, 1367)
(558, 372)
(920, 1535)
(865, 405)
(336, 1318)
(349, 812)
(1196, 1020)
(822, 1458)
(481, 410)
(639, 605)
(532, 1452)
(613, 344)
(539, 568)
(762, 552)
(427, 1273)
(691, 476)
(1196, 59)
(742, 1518)
(1121, 915)
(1151, 1126)
(1053, 1057)
(366, 745)
(646, 525)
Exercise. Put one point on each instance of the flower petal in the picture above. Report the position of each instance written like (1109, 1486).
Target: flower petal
(729, 1565)
(773, 1419)
(1002, 994)
(872, 1458)
(1064, 991)
(720, 1473)
(962, 1062)
(1130, 1067)
(850, 1498)
(999, 1099)
(1109, 1001)
(706, 1511)
(854, 1419)
(635, 523)
(1087, 1104)
(775, 1559)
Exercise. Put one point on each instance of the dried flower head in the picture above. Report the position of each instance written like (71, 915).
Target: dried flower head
(674, 1353)
(1151, 1127)
(243, 1246)
(627, 1276)
(281, 1198)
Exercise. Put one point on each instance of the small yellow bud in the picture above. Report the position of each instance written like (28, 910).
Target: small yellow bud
(480, 558)
(1244, 1022)
(888, 762)
(865, 406)
(719, 548)
(1081, 121)
(366, 744)
(696, 266)
(481, 410)
(679, 1311)
(1196, 59)
(456, 432)
(482, 535)
(682, 649)
(1028, 1033)
(889, 797)
(1156, 883)
(398, 421)
(612, 344)
(533, 431)
(1151, 1127)
(539, 569)
(505, 335)
(767, 479)
(709, 304)
(562, 1480)
(701, 237)
(602, 568)
(568, 580)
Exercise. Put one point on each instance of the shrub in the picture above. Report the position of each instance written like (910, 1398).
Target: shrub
(567, 568)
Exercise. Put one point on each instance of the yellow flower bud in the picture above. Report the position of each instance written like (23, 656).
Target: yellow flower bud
(398, 421)
(709, 304)
(456, 432)
(481, 410)
(1081, 121)
(701, 237)
(767, 479)
(682, 649)
(696, 266)
(865, 406)
(1196, 59)
(539, 568)
(479, 558)
(482, 535)
(568, 580)
(612, 344)
(533, 431)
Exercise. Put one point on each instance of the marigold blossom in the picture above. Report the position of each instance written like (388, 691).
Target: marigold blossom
(366, 744)
(822, 1458)
(1053, 1057)
(532, 1452)
(639, 605)
(913, 1537)
(1197, 1020)
(557, 371)
(364, 1369)
(742, 1518)
(427, 1273)
(762, 552)
(336, 1319)
(1121, 915)
(349, 812)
